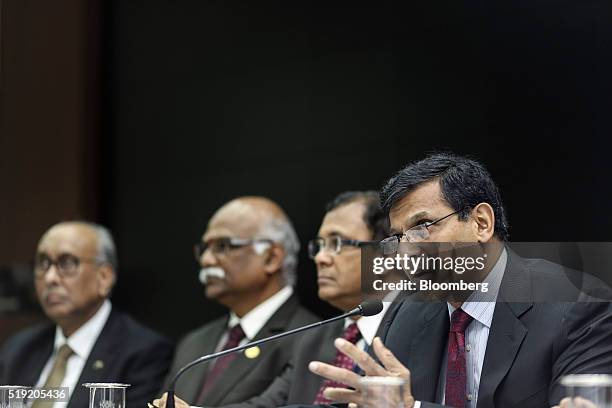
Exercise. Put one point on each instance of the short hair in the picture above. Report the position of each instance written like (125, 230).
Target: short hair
(374, 217)
(464, 183)
(281, 230)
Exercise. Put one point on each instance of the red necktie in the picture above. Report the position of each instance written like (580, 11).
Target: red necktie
(456, 381)
(353, 335)
(235, 337)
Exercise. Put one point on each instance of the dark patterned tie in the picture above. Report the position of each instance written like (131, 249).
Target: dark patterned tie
(456, 381)
(236, 334)
(353, 335)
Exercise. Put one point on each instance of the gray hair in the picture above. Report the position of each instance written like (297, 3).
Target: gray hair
(280, 230)
(106, 251)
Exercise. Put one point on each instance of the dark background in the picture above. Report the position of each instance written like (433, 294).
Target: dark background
(196, 102)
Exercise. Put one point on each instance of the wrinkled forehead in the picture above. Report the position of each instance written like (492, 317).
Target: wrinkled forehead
(424, 201)
(75, 239)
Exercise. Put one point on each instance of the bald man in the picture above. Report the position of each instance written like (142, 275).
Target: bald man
(89, 340)
(248, 256)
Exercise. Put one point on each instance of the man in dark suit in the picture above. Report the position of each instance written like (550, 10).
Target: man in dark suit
(508, 351)
(351, 220)
(248, 256)
(75, 270)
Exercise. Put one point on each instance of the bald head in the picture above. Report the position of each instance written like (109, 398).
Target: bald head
(249, 212)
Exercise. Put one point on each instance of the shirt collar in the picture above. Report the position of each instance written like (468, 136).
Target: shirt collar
(368, 325)
(254, 320)
(479, 305)
(82, 341)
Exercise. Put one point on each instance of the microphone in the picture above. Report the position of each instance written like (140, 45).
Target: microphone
(369, 308)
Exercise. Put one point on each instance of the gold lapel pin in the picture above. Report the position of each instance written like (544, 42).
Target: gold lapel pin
(252, 352)
(98, 365)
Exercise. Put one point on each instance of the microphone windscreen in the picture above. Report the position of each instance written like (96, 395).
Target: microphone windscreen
(371, 308)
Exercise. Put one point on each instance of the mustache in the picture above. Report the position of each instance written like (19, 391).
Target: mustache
(211, 272)
(54, 290)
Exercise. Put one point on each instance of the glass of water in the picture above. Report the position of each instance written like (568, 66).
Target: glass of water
(382, 392)
(106, 395)
(13, 396)
(589, 390)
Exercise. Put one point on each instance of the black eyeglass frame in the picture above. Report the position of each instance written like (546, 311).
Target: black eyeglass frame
(232, 243)
(43, 262)
(339, 240)
(398, 237)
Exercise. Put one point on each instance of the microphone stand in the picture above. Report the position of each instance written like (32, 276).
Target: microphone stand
(359, 310)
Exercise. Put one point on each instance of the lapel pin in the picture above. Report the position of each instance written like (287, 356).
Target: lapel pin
(252, 352)
(98, 365)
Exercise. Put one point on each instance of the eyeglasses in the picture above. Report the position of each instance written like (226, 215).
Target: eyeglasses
(221, 246)
(417, 233)
(333, 244)
(67, 265)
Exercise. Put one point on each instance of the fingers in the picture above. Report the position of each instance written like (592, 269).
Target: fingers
(363, 359)
(161, 402)
(340, 375)
(343, 395)
(578, 402)
(392, 365)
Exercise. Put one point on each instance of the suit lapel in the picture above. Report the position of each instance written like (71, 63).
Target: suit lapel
(98, 363)
(191, 384)
(507, 331)
(242, 365)
(427, 349)
(29, 371)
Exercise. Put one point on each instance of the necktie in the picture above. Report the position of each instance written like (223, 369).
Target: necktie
(353, 335)
(58, 371)
(236, 334)
(456, 381)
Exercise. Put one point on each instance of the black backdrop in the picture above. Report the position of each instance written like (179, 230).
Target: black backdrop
(297, 101)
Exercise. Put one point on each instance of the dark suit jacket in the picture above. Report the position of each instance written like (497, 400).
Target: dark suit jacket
(297, 385)
(244, 377)
(531, 344)
(129, 353)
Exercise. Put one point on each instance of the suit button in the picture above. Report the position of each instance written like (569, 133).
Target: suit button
(468, 347)
(469, 397)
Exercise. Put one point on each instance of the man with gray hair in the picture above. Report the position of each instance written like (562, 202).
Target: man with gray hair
(90, 341)
(248, 256)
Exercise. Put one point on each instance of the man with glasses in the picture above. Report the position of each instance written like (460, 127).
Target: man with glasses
(508, 349)
(248, 258)
(352, 220)
(90, 341)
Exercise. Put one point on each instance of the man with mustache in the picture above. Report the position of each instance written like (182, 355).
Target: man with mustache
(75, 270)
(508, 349)
(248, 256)
(352, 220)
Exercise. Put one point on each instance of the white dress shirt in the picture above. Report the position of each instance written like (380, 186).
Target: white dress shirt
(256, 319)
(368, 326)
(480, 306)
(81, 342)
